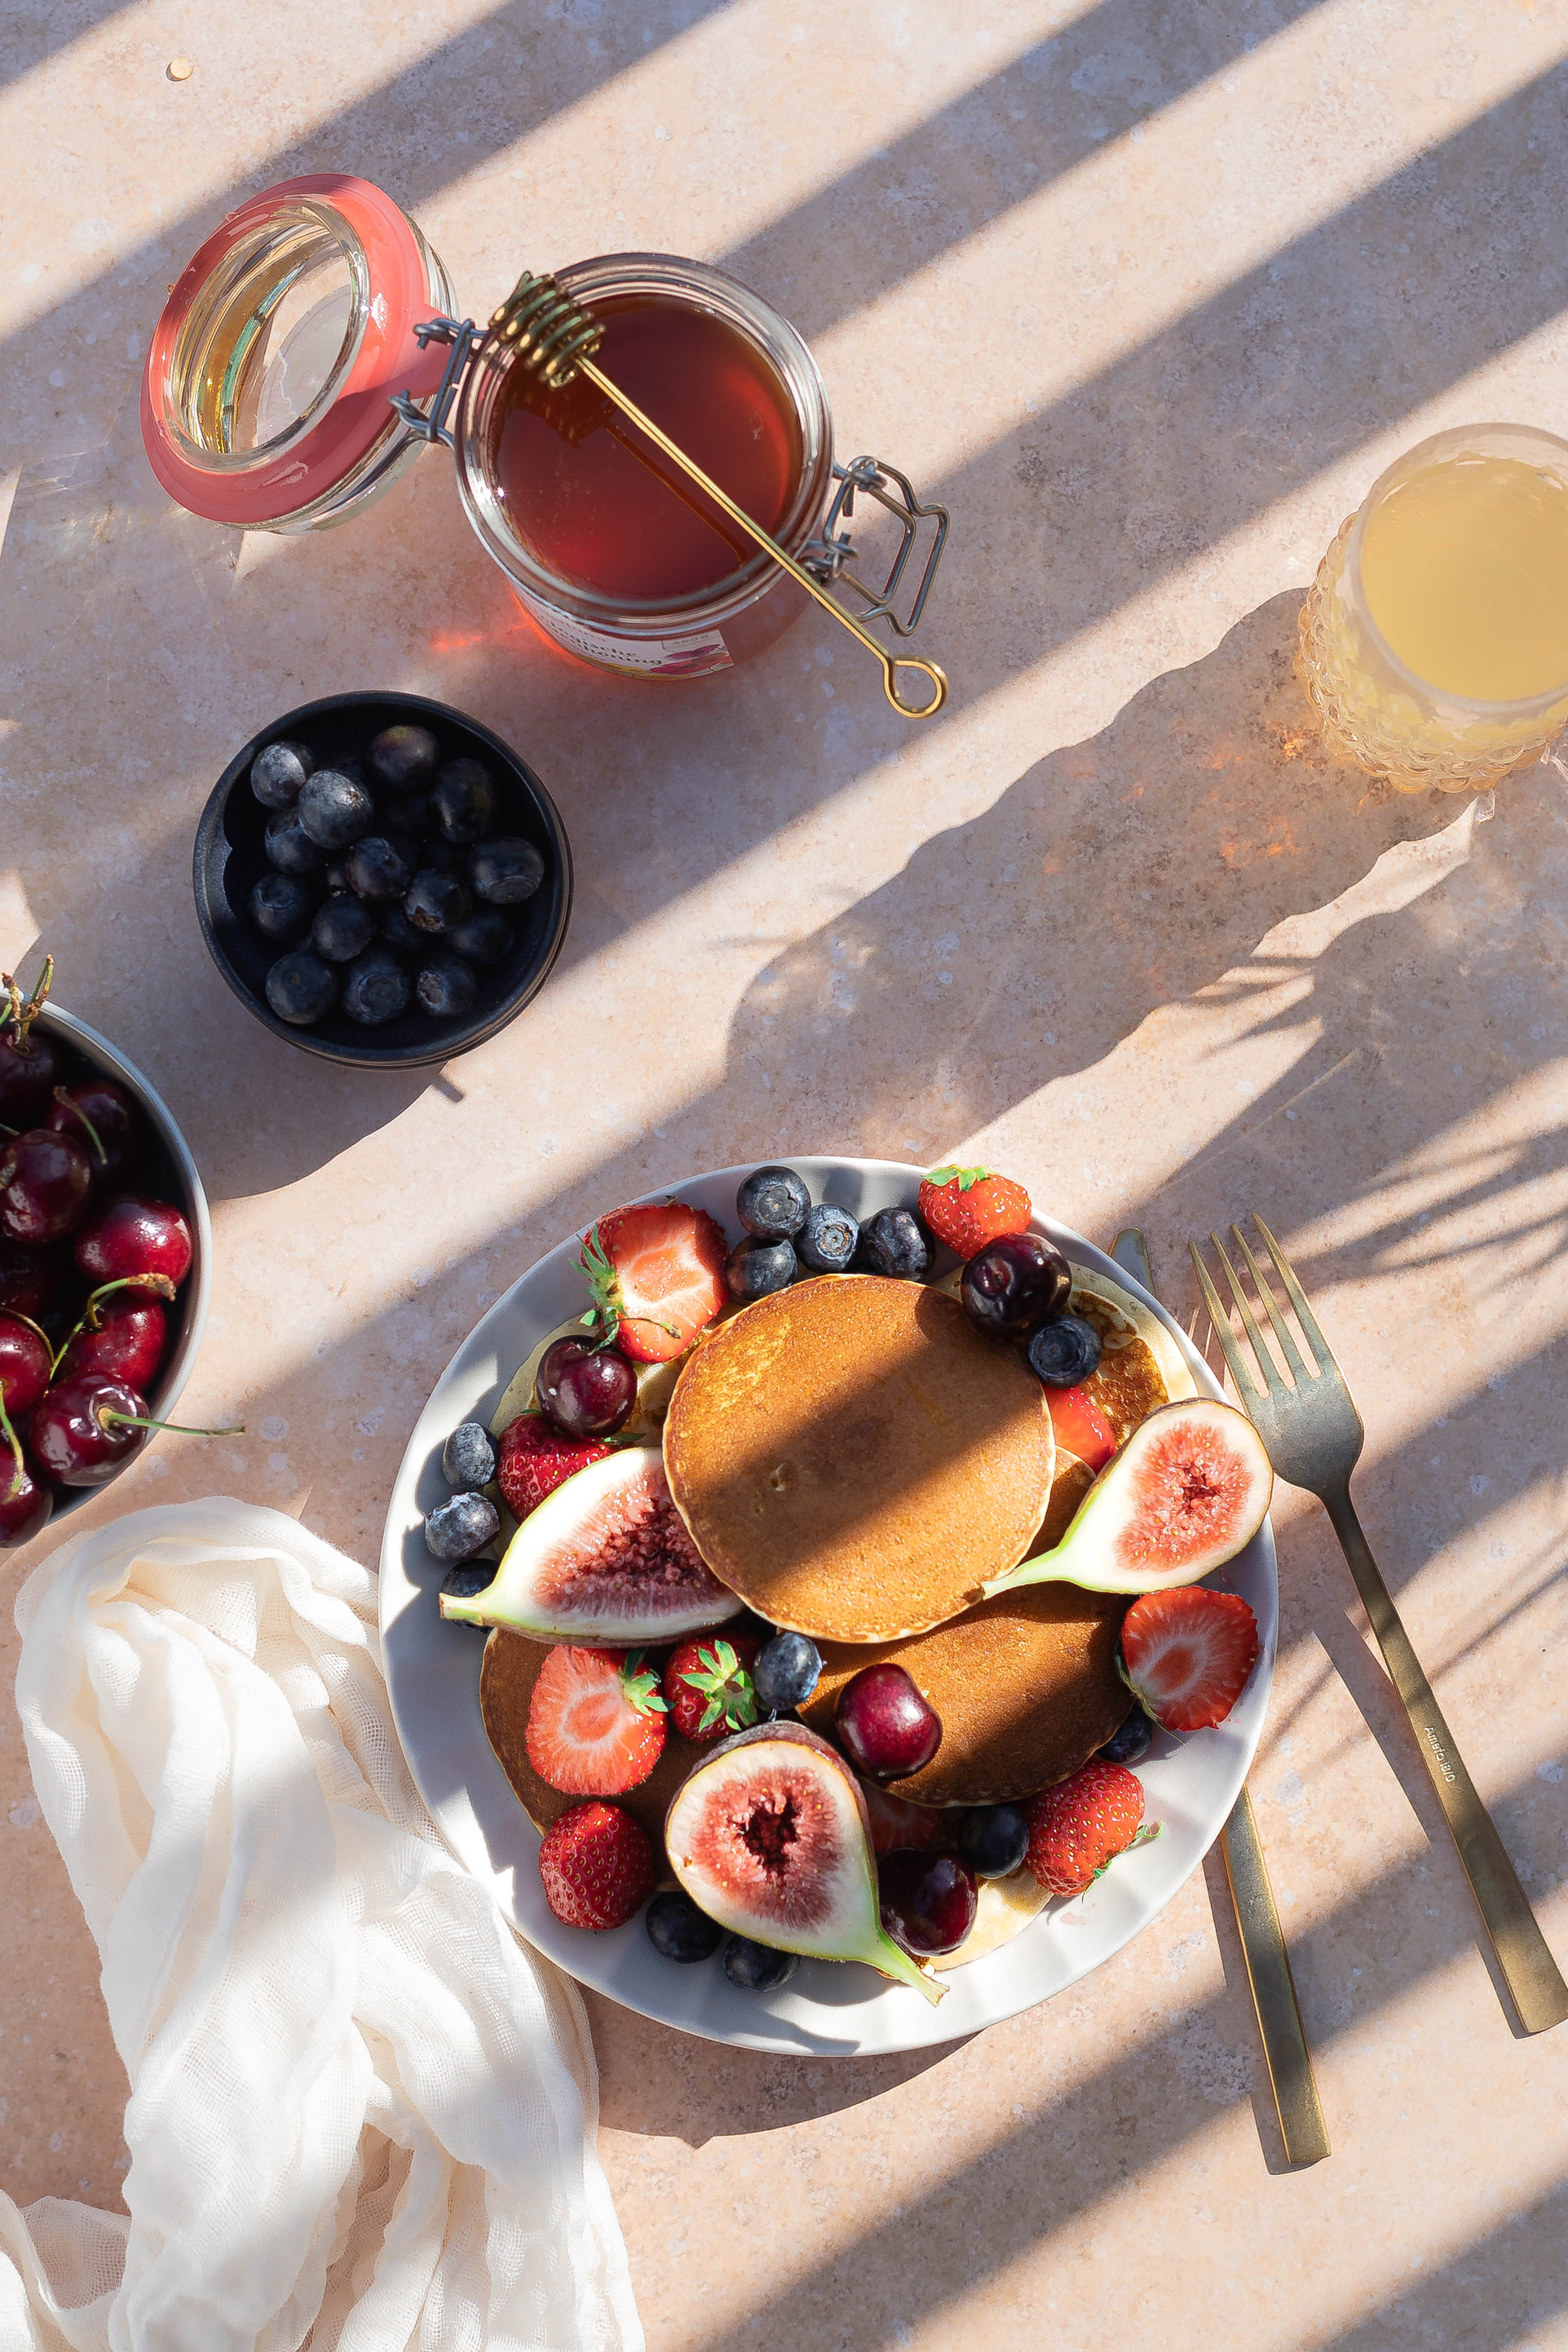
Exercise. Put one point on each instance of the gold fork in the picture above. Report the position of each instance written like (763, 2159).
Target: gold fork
(1313, 1436)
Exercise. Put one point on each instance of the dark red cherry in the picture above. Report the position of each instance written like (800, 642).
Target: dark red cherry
(1014, 1281)
(928, 1901)
(98, 1115)
(23, 1370)
(126, 1344)
(586, 1392)
(26, 1503)
(44, 1179)
(29, 1072)
(84, 1428)
(884, 1724)
(31, 1279)
(133, 1236)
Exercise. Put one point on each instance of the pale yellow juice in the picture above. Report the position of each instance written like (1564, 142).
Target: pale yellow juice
(1464, 569)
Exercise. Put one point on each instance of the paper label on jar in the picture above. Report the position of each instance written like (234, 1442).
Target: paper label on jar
(687, 656)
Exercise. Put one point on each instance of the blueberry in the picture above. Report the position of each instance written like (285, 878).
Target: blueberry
(993, 1840)
(446, 987)
(465, 799)
(278, 772)
(1125, 1747)
(302, 988)
(486, 938)
(402, 757)
(757, 1968)
(895, 1243)
(400, 934)
(281, 906)
(336, 876)
(375, 988)
(288, 846)
(341, 928)
(436, 902)
(678, 1931)
(457, 1529)
(376, 869)
(335, 809)
(467, 1578)
(409, 812)
(753, 1269)
(505, 872)
(468, 1458)
(773, 1203)
(1065, 1351)
(786, 1672)
(828, 1239)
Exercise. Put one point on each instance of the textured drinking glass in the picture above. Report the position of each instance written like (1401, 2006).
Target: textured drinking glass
(1435, 637)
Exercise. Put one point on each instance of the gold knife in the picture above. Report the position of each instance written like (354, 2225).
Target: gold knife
(1280, 2028)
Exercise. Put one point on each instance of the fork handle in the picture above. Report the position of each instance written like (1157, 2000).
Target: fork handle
(1533, 1975)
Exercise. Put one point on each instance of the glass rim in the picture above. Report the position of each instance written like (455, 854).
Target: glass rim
(1455, 437)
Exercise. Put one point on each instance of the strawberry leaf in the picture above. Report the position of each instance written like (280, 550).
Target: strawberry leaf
(967, 1177)
(719, 1678)
(641, 1685)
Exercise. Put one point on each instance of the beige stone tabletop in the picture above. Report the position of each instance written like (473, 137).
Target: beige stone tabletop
(1147, 294)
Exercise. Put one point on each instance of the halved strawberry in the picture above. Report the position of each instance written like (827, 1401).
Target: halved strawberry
(533, 1459)
(707, 1684)
(1188, 1655)
(596, 1721)
(1081, 1824)
(657, 1278)
(967, 1207)
(1080, 1427)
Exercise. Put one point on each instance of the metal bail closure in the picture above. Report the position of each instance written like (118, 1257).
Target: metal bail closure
(826, 556)
(465, 338)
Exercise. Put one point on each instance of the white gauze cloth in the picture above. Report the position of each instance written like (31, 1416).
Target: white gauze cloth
(361, 2113)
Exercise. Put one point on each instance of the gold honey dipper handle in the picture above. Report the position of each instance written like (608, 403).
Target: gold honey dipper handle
(555, 338)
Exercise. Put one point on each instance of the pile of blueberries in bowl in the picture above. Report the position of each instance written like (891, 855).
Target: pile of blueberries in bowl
(381, 881)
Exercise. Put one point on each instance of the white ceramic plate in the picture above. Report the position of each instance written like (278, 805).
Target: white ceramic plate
(825, 2010)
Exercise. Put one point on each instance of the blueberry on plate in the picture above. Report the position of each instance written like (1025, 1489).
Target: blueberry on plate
(457, 1529)
(288, 846)
(786, 1672)
(281, 906)
(375, 988)
(1125, 1746)
(436, 902)
(335, 809)
(468, 1457)
(376, 869)
(678, 1931)
(464, 797)
(277, 773)
(446, 987)
(469, 1576)
(754, 1269)
(300, 988)
(1065, 1351)
(486, 938)
(505, 872)
(773, 1203)
(894, 1243)
(993, 1840)
(757, 1968)
(342, 928)
(827, 1240)
(404, 757)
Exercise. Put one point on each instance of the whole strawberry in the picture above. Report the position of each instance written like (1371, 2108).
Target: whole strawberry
(533, 1459)
(967, 1207)
(1081, 1824)
(597, 1866)
(708, 1685)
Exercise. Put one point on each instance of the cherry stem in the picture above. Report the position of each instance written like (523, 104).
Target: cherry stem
(91, 1318)
(104, 1413)
(18, 1469)
(61, 1096)
(21, 1016)
(36, 1328)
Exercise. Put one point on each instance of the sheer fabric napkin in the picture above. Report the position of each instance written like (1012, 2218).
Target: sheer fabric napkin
(361, 2113)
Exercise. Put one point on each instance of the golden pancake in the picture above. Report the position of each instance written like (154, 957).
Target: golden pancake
(855, 1460)
(1026, 1686)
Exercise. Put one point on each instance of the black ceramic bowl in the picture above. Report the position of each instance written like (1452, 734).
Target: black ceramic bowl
(230, 859)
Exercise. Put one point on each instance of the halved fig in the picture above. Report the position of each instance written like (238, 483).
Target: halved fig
(770, 1835)
(606, 1558)
(1189, 1490)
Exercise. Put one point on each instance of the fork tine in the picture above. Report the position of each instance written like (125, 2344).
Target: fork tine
(1220, 1324)
(1266, 1364)
(1298, 1296)
(1282, 1332)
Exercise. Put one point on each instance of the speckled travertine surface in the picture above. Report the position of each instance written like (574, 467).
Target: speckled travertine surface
(1147, 294)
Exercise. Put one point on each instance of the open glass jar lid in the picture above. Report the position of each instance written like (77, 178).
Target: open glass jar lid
(308, 353)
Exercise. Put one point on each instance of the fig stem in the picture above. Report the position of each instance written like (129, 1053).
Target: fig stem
(18, 1469)
(104, 1413)
(61, 1096)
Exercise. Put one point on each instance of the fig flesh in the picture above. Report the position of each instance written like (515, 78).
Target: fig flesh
(1187, 1491)
(770, 1835)
(605, 1558)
